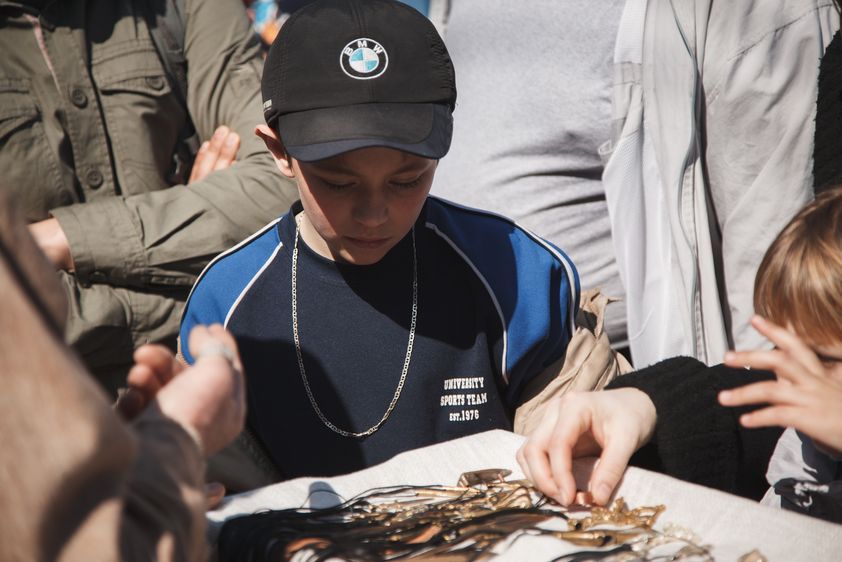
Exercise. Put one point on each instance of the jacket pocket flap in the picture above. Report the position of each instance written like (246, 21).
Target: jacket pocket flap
(130, 66)
(17, 108)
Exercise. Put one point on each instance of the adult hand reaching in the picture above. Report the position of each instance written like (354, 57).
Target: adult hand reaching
(216, 154)
(612, 424)
(208, 399)
(154, 367)
(807, 393)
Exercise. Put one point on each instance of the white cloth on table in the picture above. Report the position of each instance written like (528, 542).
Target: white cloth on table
(732, 525)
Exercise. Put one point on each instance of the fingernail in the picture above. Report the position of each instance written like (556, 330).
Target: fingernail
(603, 492)
(724, 396)
(729, 355)
(563, 497)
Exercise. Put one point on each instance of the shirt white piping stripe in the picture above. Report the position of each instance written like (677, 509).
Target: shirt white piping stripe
(251, 282)
(230, 250)
(456, 249)
(568, 268)
(574, 295)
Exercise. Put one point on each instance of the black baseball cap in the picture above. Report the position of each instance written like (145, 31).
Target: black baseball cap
(349, 74)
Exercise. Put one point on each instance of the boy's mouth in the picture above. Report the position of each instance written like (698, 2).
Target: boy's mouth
(368, 243)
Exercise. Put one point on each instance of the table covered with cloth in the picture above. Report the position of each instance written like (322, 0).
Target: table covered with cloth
(731, 525)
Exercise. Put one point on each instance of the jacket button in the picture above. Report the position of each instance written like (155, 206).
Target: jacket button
(155, 82)
(78, 97)
(94, 178)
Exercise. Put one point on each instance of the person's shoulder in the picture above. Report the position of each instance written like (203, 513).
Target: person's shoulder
(228, 274)
(442, 211)
(476, 233)
(522, 271)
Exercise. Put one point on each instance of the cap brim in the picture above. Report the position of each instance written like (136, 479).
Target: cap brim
(424, 129)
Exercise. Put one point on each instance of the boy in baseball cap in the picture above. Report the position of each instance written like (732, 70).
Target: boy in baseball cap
(373, 318)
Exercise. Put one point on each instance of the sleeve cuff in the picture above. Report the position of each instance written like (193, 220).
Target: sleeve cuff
(154, 426)
(104, 240)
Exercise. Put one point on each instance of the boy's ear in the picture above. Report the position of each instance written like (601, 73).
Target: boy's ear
(276, 147)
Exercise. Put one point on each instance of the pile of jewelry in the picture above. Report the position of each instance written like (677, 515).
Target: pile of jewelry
(475, 520)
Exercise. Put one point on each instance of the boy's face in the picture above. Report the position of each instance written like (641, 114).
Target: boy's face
(359, 205)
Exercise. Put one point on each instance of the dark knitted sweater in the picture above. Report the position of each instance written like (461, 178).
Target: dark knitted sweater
(696, 439)
(827, 153)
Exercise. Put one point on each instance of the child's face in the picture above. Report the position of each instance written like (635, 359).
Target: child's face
(830, 354)
(831, 357)
(359, 205)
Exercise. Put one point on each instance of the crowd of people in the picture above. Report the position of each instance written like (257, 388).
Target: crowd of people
(307, 256)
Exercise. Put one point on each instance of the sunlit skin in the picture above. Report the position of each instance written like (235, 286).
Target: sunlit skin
(808, 389)
(360, 204)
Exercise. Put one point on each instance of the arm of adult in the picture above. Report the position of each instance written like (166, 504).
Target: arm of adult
(215, 154)
(208, 399)
(86, 486)
(806, 394)
(165, 237)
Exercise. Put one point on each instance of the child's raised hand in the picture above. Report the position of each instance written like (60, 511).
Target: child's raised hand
(807, 394)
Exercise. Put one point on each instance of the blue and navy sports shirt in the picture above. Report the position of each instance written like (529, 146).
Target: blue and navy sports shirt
(495, 308)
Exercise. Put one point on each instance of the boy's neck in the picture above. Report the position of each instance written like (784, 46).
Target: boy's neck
(311, 237)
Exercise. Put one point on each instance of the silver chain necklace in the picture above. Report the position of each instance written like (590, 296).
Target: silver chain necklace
(300, 357)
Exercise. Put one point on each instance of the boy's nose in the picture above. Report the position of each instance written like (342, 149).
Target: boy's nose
(371, 211)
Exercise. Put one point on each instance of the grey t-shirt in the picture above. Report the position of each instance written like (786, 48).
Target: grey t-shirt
(534, 81)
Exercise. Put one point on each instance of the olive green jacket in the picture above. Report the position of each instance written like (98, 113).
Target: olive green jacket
(89, 124)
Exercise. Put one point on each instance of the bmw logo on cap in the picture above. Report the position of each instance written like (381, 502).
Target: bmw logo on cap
(364, 59)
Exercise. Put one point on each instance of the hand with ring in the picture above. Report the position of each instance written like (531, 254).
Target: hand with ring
(208, 399)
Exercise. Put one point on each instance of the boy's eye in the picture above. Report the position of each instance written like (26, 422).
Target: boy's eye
(407, 184)
(336, 185)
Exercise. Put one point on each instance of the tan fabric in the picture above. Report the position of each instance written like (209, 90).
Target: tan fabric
(75, 482)
(589, 364)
